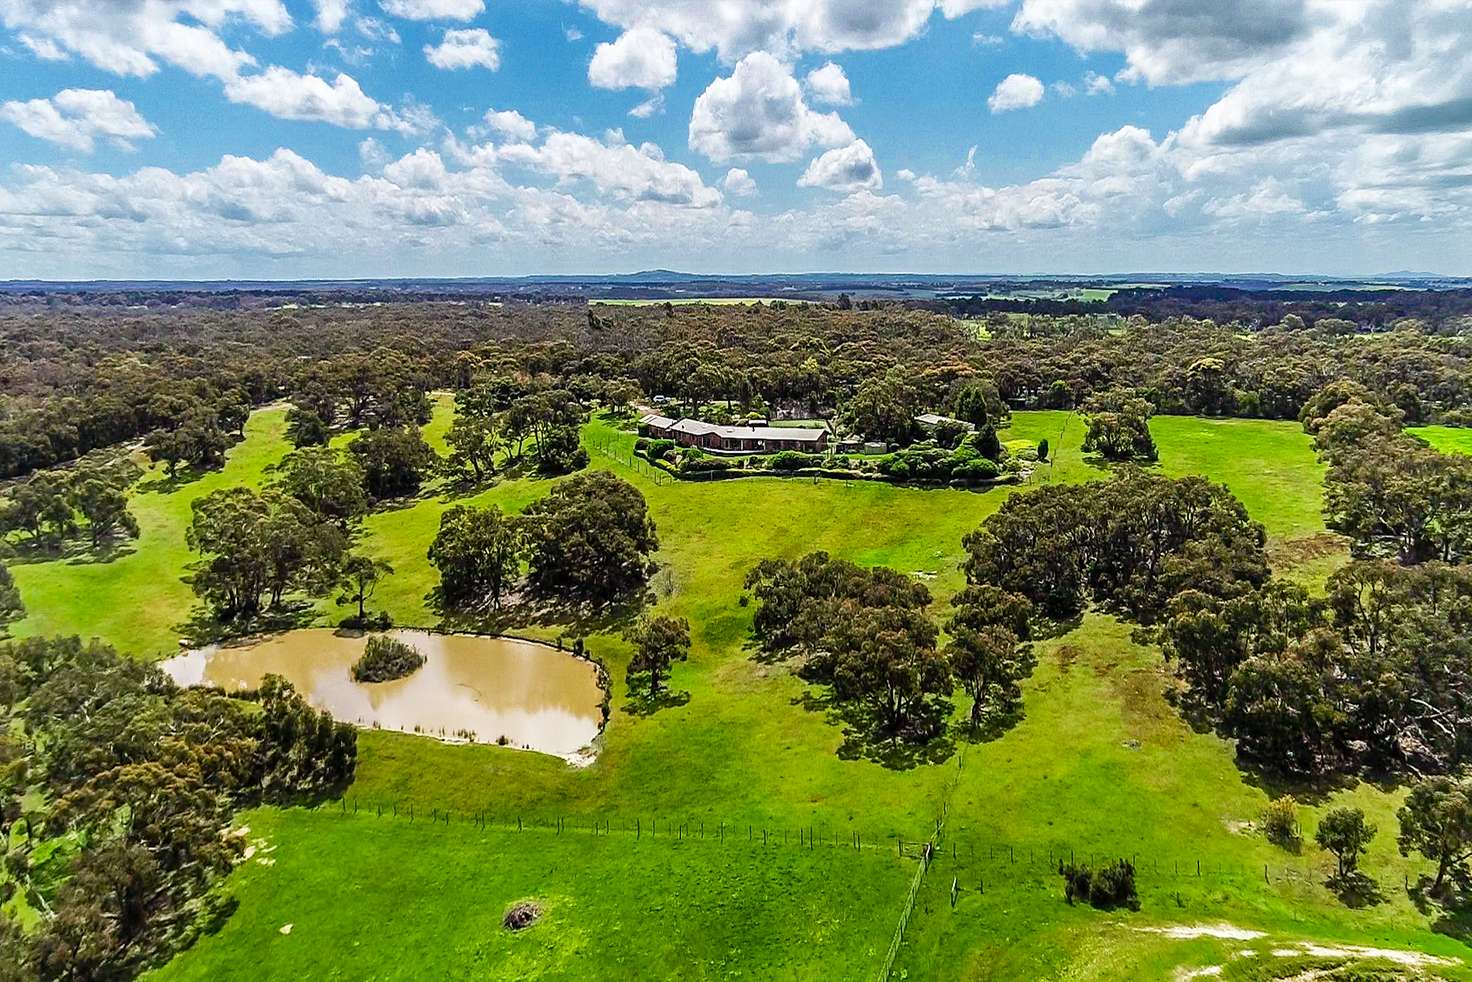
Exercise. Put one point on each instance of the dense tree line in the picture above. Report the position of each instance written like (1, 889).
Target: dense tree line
(1377, 675)
(124, 786)
(1362, 308)
(12, 608)
(75, 378)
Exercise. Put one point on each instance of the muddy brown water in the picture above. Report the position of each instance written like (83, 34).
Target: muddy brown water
(536, 697)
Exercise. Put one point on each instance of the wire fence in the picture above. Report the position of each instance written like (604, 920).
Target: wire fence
(976, 862)
(654, 828)
(625, 455)
(927, 855)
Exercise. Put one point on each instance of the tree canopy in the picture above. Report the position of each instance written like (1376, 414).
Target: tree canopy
(589, 539)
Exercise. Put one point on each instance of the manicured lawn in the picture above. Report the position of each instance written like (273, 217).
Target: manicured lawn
(1101, 763)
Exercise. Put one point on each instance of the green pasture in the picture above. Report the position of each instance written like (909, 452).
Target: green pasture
(1100, 764)
(613, 906)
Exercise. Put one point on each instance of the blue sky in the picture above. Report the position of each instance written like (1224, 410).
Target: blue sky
(280, 138)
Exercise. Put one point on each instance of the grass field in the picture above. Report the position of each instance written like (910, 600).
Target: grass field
(739, 908)
(1101, 764)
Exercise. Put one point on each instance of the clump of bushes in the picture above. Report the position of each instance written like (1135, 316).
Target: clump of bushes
(1280, 822)
(385, 659)
(693, 460)
(654, 450)
(928, 463)
(792, 460)
(1105, 888)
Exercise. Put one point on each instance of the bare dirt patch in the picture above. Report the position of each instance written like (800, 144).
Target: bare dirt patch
(1308, 548)
(1227, 932)
(1066, 654)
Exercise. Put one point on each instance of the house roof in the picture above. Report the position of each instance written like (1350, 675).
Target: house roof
(695, 427)
(933, 419)
(801, 434)
(699, 427)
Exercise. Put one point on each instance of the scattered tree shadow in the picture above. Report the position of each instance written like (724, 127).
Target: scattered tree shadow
(1356, 890)
(1047, 629)
(107, 551)
(1455, 922)
(203, 627)
(73, 551)
(523, 609)
(1450, 909)
(1307, 790)
(451, 490)
(762, 656)
(183, 477)
(214, 915)
(1099, 461)
(928, 741)
(994, 724)
(387, 506)
(645, 706)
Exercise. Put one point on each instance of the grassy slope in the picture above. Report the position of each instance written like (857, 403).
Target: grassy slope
(748, 749)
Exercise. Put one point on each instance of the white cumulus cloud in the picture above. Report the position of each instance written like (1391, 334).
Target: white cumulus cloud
(758, 112)
(130, 37)
(469, 48)
(735, 28)
(1015, 92)
(851, 168)
(640, 58)
(829, 86)
(433, 9)
(1170, 41)
(739, 183)
(286, 94)
(634, 173)
(330, 15)
(510, 124)
(76, 117)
